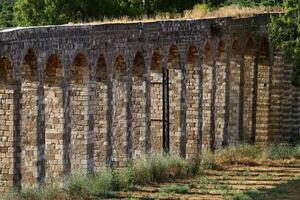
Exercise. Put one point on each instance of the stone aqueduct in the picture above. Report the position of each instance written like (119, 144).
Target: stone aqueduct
(86, 96)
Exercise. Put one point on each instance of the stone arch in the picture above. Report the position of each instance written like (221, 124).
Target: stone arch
(120, 103)
(29, 116)
(156, 77)
(249, 81)
(234, 94)
(54, 122)
(101, 111)
(30, 67)
(7, 75)
(263, 91)
(9, 149)
(220, 94)
(79, 70)
(207, 63)
(175, 87)
(139, 105)
(79, 112)
(193, 100)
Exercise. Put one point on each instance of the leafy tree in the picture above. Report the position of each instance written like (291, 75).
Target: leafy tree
(6, 13)
(285, 34)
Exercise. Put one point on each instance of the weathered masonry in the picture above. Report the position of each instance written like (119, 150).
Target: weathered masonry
(86, 96)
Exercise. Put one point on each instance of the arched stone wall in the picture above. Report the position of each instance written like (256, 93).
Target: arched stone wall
(54, 122)
(78, 110)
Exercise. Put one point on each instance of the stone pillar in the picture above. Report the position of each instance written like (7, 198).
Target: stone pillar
(234, 96)
(295, 136)
(138, 106)
(286, 103)
(263, 95)
(221, 78)
(156, 78)
(101, 110)
(193, 90)
(54, 123)
(276, 92)
(120, 100)
(207, 70)
(79, 97)
(29, 141)
(7, 159)
(148, 133)
(248, 93)
(175, 89)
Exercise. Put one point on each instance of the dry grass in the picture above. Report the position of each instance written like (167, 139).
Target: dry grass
(200, 11)
(229, 11)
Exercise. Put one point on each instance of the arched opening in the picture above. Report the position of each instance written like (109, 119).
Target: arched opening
(101, 106)
(263, 91)
(248, 91)
(206, 96)
(29, 128)
(120, 94)
(175, 87)
(79, 112)
(9, 148)
(139, 106)
(193, 90)
(54, 121)
(220, 95)
(156, 102)
(234, 94)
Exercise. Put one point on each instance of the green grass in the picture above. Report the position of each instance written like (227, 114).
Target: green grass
(178, 188)
(158, 169)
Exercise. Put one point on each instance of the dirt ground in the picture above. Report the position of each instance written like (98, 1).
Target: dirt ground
(263, 182)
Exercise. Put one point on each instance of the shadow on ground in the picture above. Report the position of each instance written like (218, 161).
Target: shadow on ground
(285, 191)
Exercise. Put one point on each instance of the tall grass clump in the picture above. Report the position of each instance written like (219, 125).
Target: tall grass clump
(243, 154)
(282, 151)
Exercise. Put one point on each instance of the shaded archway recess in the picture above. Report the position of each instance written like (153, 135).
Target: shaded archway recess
(79, 112)
(120, 94)
(7, 110)
(156, 102)
(192, 115)
(139, 106)
(54, 122)
(101, 106)
(29, 114)
(234, 95)
(220, 97)
(175, 87)
(249, 89)
(207, 97)
(263, 91)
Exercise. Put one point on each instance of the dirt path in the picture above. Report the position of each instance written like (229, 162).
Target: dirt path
(235, 182)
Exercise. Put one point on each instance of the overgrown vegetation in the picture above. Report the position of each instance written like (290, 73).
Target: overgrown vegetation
(156, 168)
(285, 34)
(47, 12)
